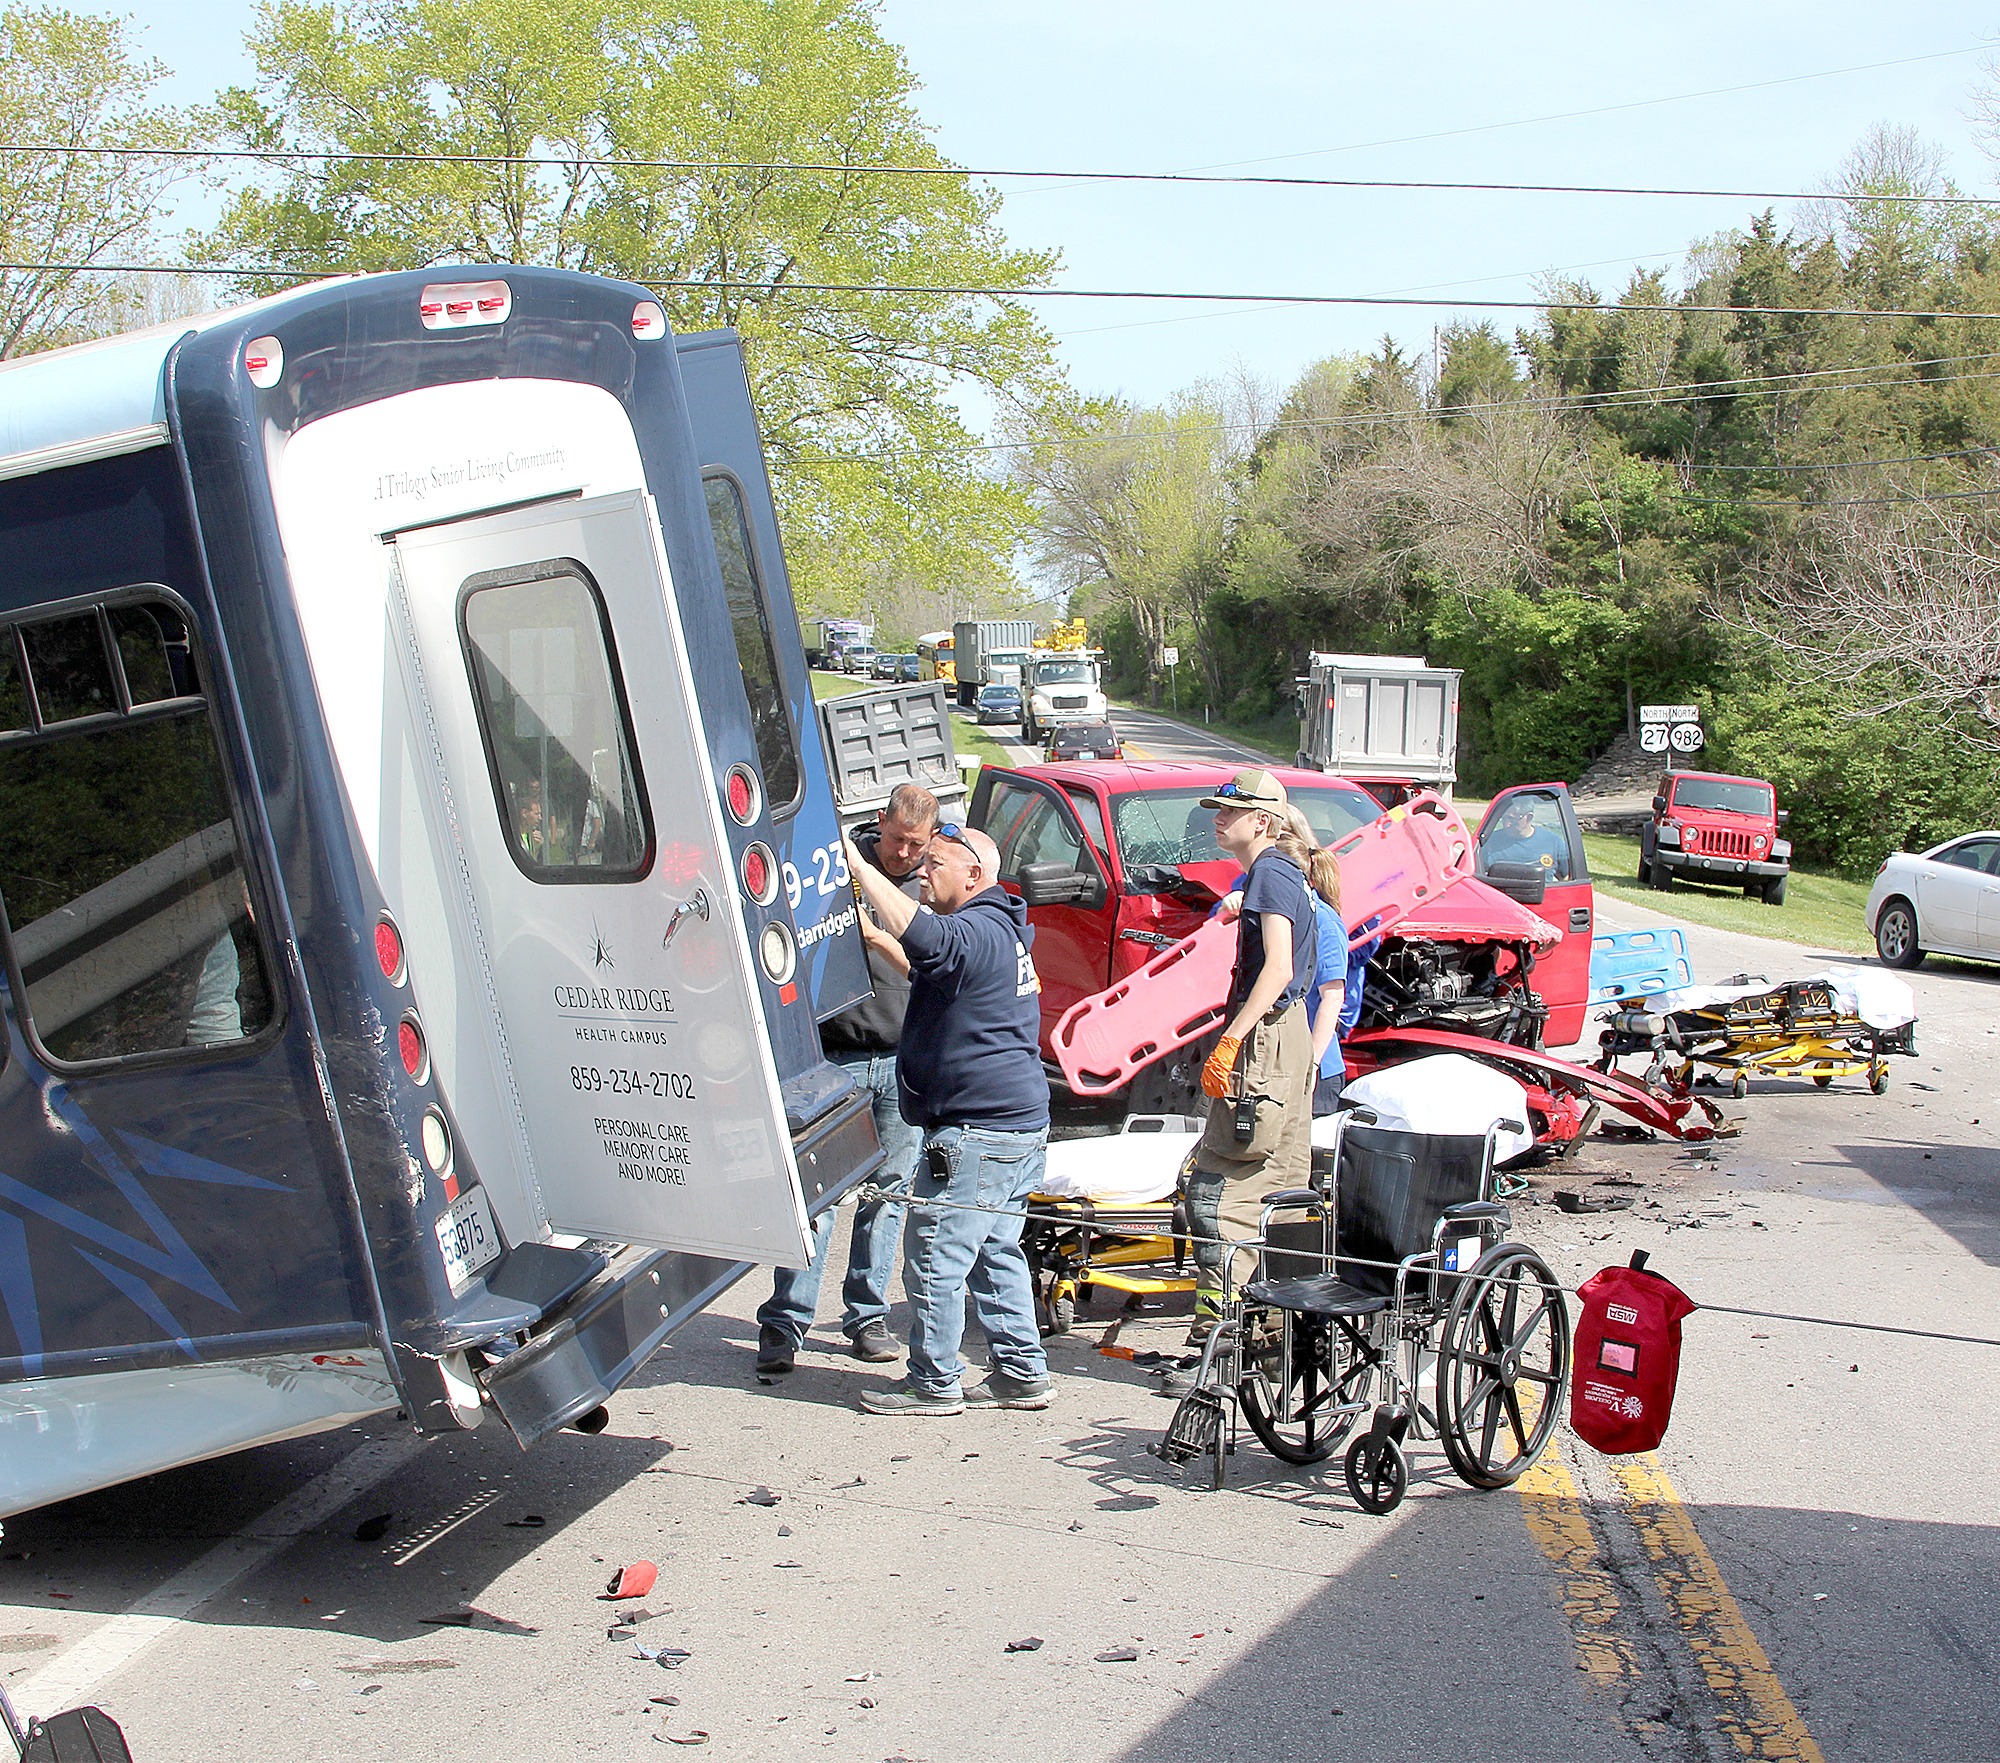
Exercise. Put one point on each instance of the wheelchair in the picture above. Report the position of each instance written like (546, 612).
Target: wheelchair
(1387, 1290)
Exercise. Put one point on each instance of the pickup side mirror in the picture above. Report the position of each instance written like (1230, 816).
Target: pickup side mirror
(1525, 882)
(1659, 804)
(1056, 884)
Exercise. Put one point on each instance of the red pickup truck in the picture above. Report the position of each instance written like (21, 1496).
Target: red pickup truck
(1118, 860)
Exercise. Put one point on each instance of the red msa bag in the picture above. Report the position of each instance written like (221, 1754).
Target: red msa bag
(1628, 1356)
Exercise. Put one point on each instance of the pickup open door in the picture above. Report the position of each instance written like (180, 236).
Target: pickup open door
(1046, 858)
(1530, 848)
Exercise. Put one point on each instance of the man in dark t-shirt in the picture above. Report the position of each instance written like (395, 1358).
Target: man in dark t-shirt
(971, 1079)
(1260, 1076)
(862, 1041)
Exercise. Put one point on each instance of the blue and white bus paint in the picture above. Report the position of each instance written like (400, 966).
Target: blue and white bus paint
(403, 742)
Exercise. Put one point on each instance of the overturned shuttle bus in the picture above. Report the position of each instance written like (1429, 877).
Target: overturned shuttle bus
(418, 871)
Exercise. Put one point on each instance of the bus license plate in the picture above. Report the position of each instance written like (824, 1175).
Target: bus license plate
(467, 1237)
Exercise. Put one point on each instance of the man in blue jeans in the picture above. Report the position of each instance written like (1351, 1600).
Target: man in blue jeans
(861, 1040)
(970, 1075)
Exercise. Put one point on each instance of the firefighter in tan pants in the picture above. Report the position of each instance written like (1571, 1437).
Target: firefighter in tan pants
(1260, 1077)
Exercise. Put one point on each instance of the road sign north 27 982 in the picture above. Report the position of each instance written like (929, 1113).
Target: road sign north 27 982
(1670, 727)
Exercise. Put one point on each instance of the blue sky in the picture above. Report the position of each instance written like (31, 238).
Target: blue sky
(1339, 90)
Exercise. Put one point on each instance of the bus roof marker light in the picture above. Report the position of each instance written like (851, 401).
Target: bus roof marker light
(264, 362)
(648, 321)
(452, 306)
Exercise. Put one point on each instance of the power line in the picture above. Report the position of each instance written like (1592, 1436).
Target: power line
(773, 290)
(848, 168)
(1599, 110)
(1695, 392)
(1839, 501)
(1856, 464)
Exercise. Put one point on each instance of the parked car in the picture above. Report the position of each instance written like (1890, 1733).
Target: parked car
(999, 704)
(1084, 740)
(883, 666)
(1943, 902)
(1708, 826)
(1119, 862)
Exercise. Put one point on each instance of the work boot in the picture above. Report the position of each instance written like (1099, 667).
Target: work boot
(1001, 1391)
(874, 1343)
(907, 1399)
(1207, 1313)
(775, 1351)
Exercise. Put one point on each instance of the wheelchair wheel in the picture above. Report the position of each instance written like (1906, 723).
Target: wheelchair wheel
(1378, 1474)
(1503, 1367)
(1301, 1422)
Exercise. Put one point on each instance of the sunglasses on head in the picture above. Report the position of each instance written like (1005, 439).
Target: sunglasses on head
(1230, 793)
(956, 834)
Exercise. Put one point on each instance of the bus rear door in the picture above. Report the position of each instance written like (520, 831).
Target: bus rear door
(588, 882)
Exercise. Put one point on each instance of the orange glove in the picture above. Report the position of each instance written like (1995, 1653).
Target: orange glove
(1215, 1074)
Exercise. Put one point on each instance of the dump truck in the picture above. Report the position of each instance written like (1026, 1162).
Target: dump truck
(990, 652)
(1389, 722)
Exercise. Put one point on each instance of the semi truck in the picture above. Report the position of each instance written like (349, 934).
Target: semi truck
(1389, 722)
(827, 641)
(990, 652)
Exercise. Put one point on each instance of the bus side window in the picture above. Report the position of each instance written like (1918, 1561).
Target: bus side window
(121, 879)
(750, 619)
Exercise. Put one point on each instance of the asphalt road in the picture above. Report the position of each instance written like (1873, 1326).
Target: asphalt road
(1806, 1570)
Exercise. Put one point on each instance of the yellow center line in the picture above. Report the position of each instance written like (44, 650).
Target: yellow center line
(1752, 1706)
(1553, 1508)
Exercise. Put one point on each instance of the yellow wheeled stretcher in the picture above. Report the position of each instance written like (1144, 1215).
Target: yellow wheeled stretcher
(1831, 1025)
(1109, 1218)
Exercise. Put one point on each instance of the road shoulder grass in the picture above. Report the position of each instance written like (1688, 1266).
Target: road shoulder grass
(1825, 911)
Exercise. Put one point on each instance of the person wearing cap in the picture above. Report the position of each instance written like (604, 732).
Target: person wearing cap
(1260, 1077)
(862, 1041)
(969, 1073)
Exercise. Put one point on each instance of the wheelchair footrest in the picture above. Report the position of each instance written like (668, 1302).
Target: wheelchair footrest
(1195, 1427)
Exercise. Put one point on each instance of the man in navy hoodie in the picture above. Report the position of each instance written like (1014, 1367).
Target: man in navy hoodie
(970, 1074)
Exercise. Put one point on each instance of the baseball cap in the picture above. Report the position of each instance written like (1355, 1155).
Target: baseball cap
(1249, 789)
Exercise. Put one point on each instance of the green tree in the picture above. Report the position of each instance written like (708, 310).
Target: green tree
(74, 81)
(877, 472)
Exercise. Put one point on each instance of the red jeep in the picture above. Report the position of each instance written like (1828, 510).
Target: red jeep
(1117, 861)
(1710, 827)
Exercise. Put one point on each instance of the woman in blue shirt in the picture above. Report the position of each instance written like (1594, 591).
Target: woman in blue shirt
(1333, 1002)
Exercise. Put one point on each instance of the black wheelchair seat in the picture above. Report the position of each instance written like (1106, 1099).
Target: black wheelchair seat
(1320, 1294)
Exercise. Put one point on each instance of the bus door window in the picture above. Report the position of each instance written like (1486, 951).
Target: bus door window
(756, 654)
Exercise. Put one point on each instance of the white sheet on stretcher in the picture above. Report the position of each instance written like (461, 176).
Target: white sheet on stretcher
(1444, 1093)
(1879, 999)
(1129, 1168)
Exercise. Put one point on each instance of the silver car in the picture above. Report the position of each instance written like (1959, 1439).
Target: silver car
(1945, 902)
